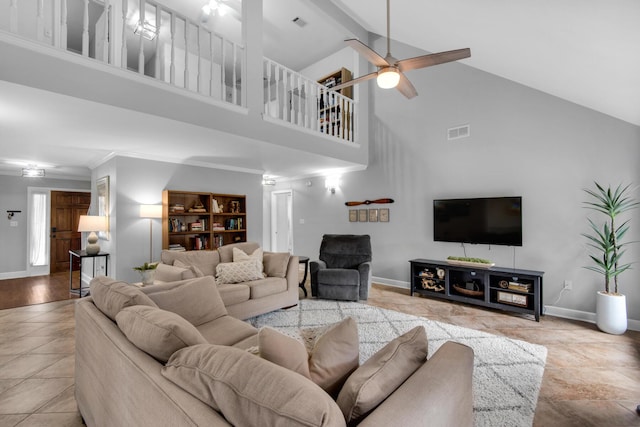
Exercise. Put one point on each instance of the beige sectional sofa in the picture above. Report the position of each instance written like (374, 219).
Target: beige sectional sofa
(132, 370)
(278, 289)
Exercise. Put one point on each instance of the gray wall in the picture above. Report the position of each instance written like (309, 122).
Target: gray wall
(13, 240)
(523, 143)
(135, 182)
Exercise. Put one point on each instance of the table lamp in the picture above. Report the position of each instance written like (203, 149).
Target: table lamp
(150, 211)
(92, 223)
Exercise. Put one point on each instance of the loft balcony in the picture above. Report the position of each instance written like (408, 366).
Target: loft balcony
(146, 50)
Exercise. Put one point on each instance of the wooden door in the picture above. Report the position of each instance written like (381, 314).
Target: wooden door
(66, 208)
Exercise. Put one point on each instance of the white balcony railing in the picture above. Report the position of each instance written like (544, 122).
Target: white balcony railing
(139, 35)
(301, 102)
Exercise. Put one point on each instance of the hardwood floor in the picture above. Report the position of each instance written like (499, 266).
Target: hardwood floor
(590, 379)
(36, 290)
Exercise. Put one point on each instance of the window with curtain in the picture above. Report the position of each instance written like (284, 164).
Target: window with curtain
(38, 226)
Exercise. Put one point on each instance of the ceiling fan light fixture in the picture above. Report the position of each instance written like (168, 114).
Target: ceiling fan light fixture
(388, 77)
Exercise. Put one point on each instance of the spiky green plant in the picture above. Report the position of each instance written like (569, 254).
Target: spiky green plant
(146, 266)
(607, 238)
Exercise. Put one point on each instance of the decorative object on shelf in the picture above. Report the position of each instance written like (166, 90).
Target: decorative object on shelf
(503, 284)
(369, 202)
(198, 207)
(611, 307)
(373, 215)
(470, 262)
(431, 285)
(353, 215)
(234, 206)
(515, 299)
(384, 214)
(151, 212)
(147, 271)
(475, 292)
(440, 272)
(102, 190)
(363, 215)
(92, 224)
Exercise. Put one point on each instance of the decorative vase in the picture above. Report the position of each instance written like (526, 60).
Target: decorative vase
(611, 313)
(147, 277)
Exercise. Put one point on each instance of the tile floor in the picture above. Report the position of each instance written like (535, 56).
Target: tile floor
(591, 378)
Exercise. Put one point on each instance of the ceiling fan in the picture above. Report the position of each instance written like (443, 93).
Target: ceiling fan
(390, 72)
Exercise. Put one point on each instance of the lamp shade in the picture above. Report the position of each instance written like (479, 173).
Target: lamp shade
(150, 211)
(388, 78)
(92, 223)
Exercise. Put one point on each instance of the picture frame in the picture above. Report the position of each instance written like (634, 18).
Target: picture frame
(384, 214)
(102, 193)
(373, 215)
(363, 215)
(353, 215)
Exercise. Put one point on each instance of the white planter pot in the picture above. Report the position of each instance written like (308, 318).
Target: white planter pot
(147, 277)
(611, 313)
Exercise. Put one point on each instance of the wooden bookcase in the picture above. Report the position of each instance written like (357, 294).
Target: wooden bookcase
(202, 221)
(335, 120)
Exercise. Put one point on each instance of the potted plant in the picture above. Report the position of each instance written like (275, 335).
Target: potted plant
(147, 271)
(607, 240)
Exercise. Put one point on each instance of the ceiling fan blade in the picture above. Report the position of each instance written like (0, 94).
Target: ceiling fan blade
(369, 54)
(354, 81)
(406, 88)
(433, 59)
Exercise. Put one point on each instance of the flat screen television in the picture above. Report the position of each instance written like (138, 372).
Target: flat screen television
(490, 220)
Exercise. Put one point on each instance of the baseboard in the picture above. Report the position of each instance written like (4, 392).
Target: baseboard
(584, 316)
(391, 282)
(13, 275)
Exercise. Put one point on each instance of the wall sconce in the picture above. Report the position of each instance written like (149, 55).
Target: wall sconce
(32, 172)
(267, 180)
(331, 183)
(10, 214)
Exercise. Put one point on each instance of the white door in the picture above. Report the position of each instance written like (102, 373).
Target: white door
(282, 221)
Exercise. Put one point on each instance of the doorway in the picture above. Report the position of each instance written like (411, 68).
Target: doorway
(282, 221)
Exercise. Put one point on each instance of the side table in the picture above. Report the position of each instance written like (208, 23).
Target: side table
(304, 260)
(82, 255)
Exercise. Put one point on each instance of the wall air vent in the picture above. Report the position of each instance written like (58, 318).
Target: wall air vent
(299, 21)
(458, 132)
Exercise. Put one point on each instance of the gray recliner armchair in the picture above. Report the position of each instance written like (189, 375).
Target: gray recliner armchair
(343, 271)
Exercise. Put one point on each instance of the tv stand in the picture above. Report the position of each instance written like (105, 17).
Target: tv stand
(502, 288)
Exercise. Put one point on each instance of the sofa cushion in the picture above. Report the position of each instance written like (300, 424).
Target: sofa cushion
(239, 255)
(197, 300)
(226, 251)
(339, 276)
(172, 273)
(205, 261)
(238, 272)
(250, 391)
(226, 330)
(332, 358)
(265, 287)
(276, 263)
(234, 293)
(111, 296)
(196, 271)
(382, 374)
(158, 332)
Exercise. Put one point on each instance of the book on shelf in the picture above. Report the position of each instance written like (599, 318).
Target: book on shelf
(176, 247)
(176, 208)
(522, 287)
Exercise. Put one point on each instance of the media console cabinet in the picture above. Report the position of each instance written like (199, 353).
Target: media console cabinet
(502, 288)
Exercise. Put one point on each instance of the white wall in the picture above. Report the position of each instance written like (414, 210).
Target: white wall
(523, 143)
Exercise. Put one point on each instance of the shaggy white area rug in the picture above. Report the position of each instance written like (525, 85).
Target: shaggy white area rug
(507, 373)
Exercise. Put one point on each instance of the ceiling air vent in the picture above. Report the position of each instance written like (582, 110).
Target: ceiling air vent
(299, 21)
(458, 132)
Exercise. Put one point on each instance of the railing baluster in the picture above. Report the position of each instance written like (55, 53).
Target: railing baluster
(199, 60)
(158, 63)
(172, 66)
(211, 72)
(235, 87)
(223, 71)
(186, 54)
(123, 53)
(40, 22)
(105, 36)
(141, 38)
(85, 29)
(268, 103)
(13, 16)
(63, 25)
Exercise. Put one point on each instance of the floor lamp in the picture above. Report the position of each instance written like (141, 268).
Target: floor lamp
(151, 212)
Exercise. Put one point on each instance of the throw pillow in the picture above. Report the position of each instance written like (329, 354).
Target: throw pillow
(382, 374)
(110, 296)
(328, 363)
(172, 273)
(196, 300)
(238, 272)
(276, 263)
(196, 271)
(157, 332)
(239, 256)
(250, 391)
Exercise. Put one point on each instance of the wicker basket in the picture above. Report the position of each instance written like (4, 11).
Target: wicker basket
(469, 292)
